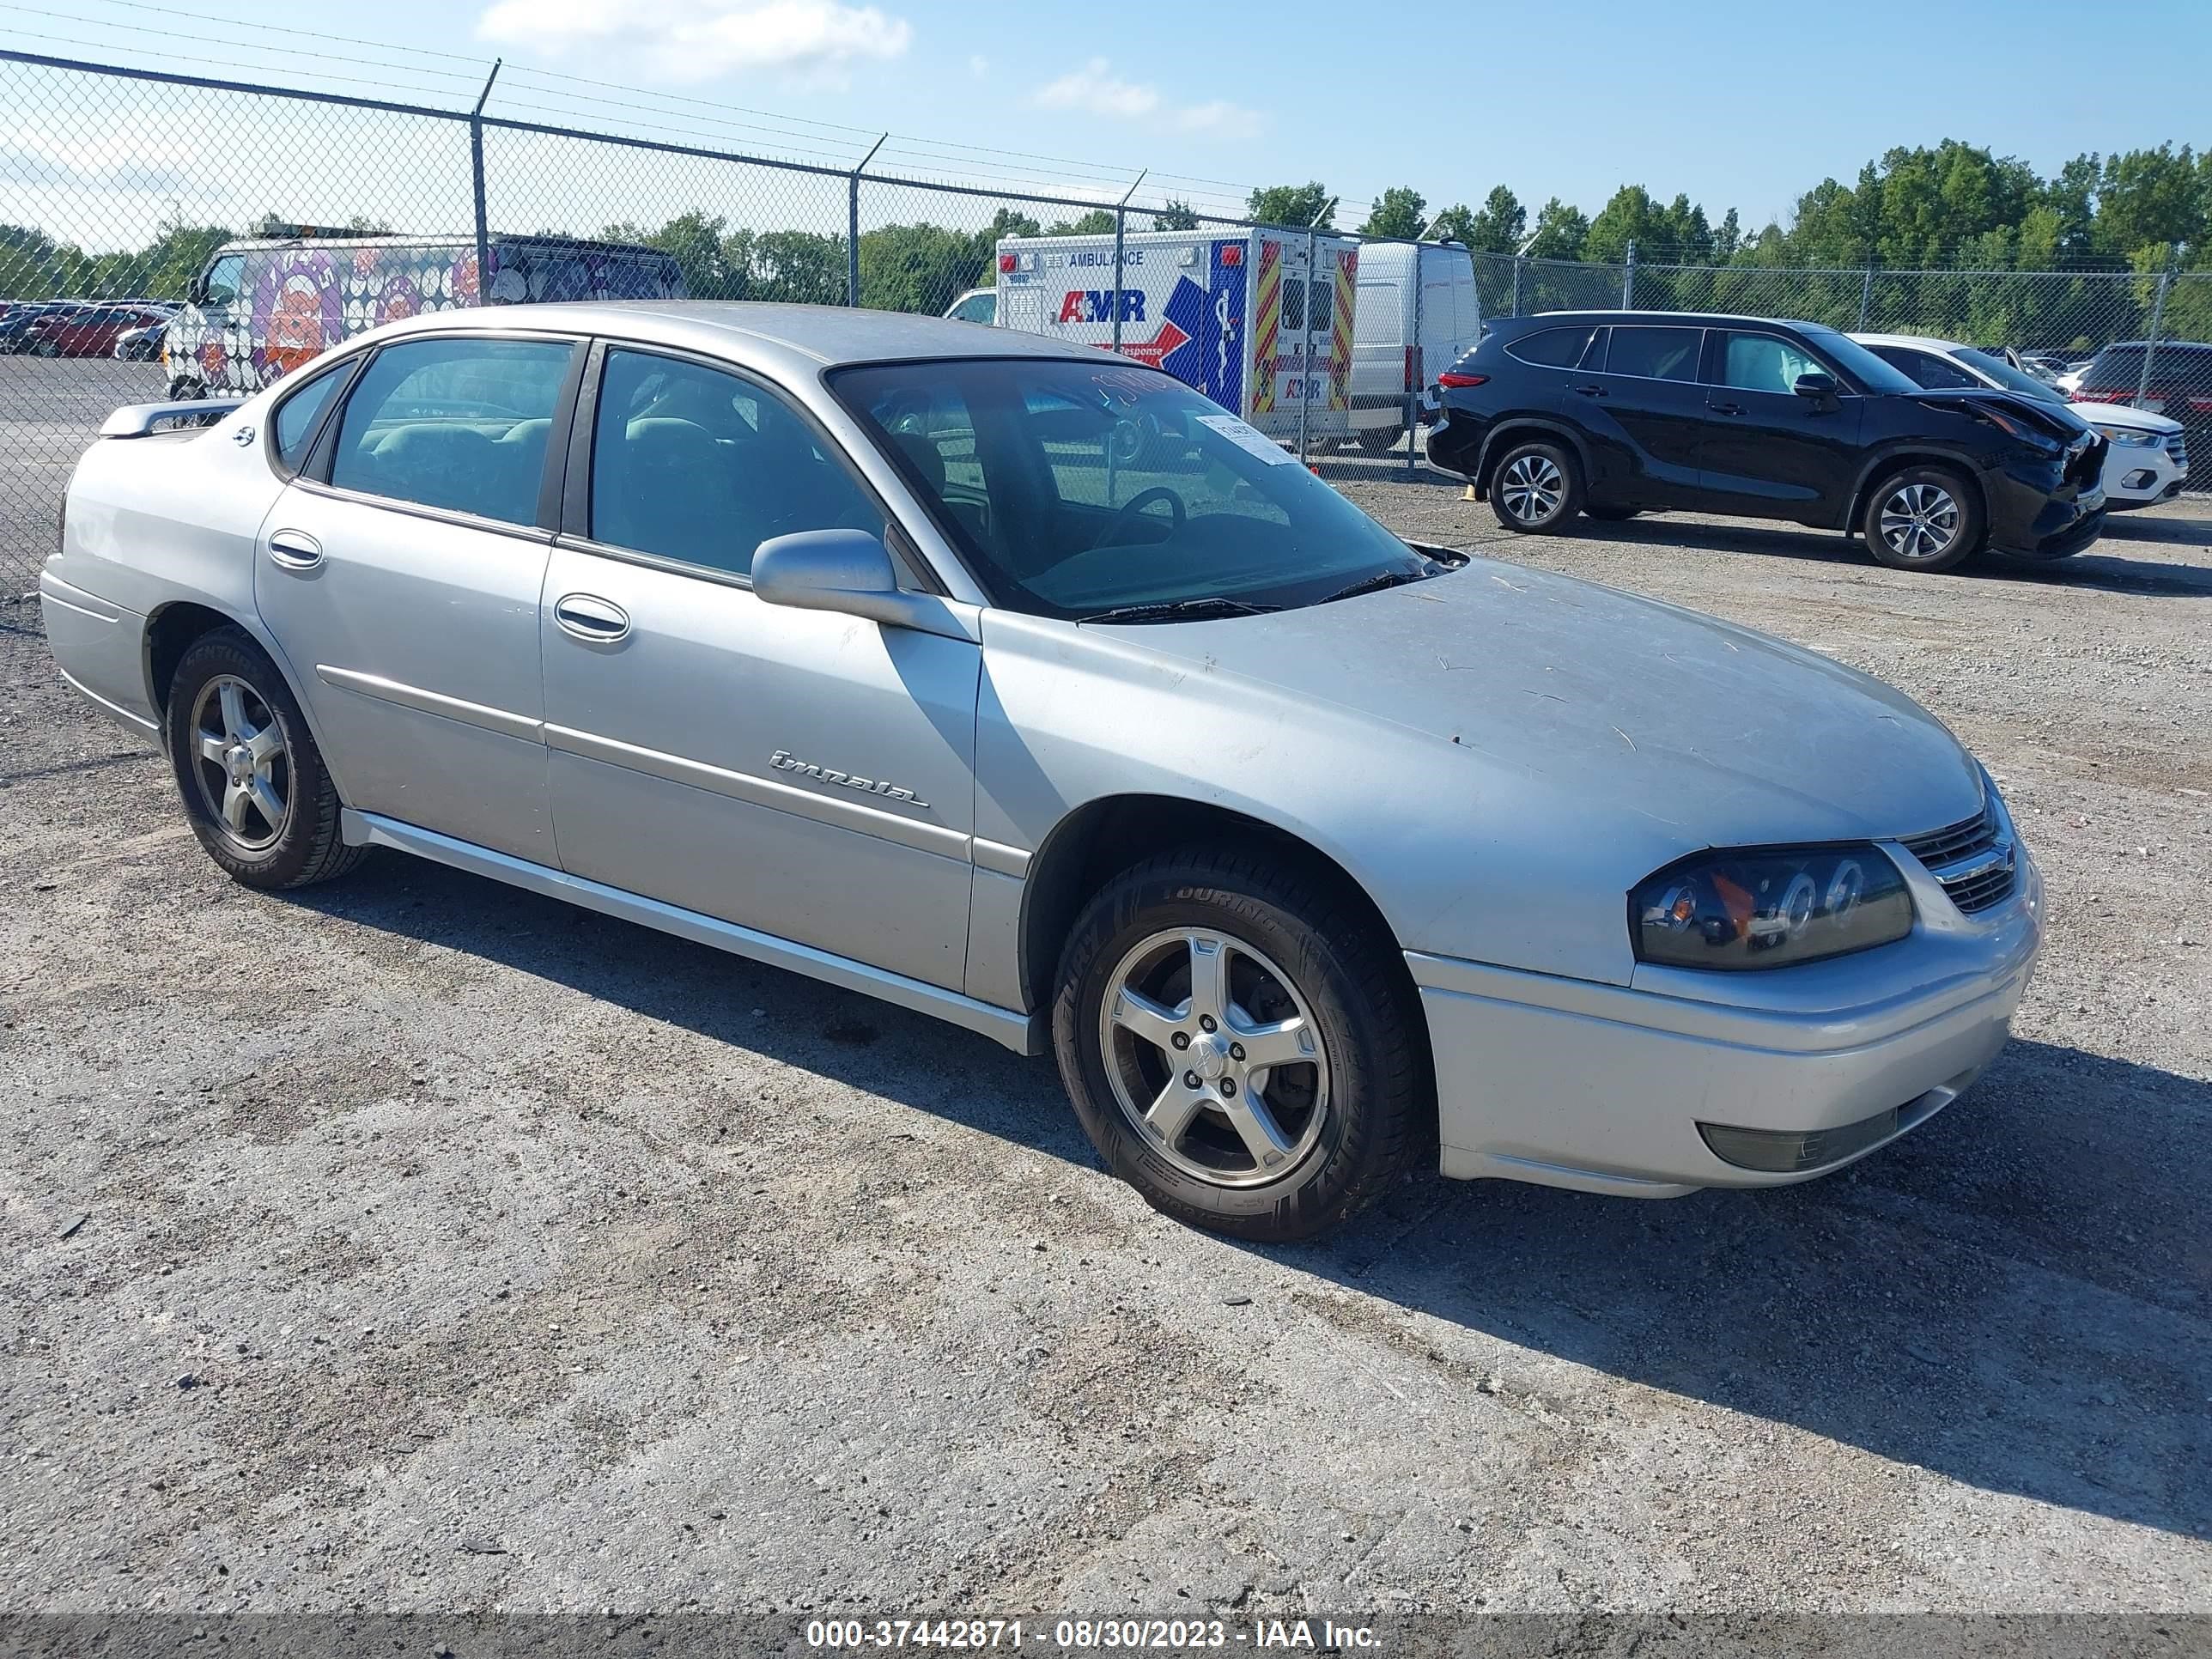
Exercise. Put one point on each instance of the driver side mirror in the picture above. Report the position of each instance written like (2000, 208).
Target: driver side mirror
(847, 571)
(1820, 389)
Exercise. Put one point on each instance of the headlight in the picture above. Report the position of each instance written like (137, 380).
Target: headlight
(1769, 909)
(2128, 437)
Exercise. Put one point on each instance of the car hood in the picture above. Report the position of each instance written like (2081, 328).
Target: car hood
(2120, 415)
(1707, 734)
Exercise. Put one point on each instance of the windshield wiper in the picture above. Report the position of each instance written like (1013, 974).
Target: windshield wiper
(1180, 610)
(1379, 580)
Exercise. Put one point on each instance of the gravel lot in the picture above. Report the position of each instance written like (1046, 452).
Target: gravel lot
(355, 1236)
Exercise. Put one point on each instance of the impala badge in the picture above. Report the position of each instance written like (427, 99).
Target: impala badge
(783, 761)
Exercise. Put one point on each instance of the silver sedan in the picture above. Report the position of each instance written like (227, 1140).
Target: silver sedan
(1022, 686)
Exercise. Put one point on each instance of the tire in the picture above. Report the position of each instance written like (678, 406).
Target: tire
(1612, 514)
(1909, 507)
(1535, 487)
(185, 390)
(226, 690)
(44, 348)
(1345, 1118)
(1378, 440)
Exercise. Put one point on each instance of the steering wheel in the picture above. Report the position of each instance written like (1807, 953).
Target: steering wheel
(1137, 503)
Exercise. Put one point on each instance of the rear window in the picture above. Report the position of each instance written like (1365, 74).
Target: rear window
(1551, 347)
(2122, 366)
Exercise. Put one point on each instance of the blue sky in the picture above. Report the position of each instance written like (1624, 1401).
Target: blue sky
(1738, 105)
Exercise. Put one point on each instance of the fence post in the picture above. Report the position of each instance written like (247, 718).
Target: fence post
(1305, 348)
(1121, 229)
(1866, 298)
(2157, 321)
(852, 225)
(1415, 359)
(1519, 260)
(476, 183)
(1628, 279)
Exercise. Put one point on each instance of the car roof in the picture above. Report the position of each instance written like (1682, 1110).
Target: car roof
(1682, 319)
(795, 337)
(1918, 341)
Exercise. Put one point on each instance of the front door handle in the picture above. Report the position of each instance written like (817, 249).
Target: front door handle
(586, 616)
(1724, 409)
(1588, 390)
(295, 549)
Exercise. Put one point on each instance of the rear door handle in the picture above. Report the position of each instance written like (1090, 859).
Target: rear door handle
(1588, 390)
(1724, 409)
(295, 549)
(586, 616)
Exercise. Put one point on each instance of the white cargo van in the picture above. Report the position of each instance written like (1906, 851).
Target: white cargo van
(1237, 315)
(1405, 333)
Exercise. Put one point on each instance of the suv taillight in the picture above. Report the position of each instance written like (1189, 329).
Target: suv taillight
(1450, 380)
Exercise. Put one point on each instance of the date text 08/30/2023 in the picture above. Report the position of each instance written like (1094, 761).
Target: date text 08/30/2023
(1146, 1634)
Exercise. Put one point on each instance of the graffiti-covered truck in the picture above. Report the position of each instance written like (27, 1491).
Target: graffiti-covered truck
(1237, 316)
(261, 308)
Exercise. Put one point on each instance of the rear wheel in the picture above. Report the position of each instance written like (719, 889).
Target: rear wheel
(254, 786)
(1924, 518)
(1535, 487)
(1379, 439)
(185, 390)
(1238, 1045)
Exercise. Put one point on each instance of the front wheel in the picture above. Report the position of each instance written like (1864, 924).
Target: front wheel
(185, 390)
(1239, 1045)
(1924, 518)
(1535, 487)
(255, 789)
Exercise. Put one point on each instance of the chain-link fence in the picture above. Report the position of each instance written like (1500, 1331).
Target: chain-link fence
(120, 188)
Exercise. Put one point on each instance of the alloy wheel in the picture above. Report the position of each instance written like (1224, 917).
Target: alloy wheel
(1919, 521)
(1214, 1057)
(1531, 487)
(241, 763)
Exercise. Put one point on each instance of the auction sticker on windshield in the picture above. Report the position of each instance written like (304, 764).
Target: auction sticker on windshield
(1247, 436)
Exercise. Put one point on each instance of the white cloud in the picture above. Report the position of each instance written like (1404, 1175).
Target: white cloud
(979, 66)
(699, 39)
(1094, 89)
(1229, 120)
(118, 163)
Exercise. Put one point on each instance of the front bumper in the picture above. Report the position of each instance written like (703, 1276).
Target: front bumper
(1613, 1088)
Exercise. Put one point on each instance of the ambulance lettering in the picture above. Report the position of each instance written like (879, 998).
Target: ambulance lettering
(1096, 305)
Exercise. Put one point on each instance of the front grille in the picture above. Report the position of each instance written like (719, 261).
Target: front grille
(1958, 856)
(1961, 841)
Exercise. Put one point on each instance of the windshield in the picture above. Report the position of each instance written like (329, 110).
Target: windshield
(1854, 360)
(1075, 488)
(1992, 367)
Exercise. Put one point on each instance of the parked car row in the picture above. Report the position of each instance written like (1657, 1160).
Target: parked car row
(77, 328)
(852, 642)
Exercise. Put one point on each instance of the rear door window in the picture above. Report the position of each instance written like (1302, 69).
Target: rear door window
(298, 415)
(1655, 353)
(460, 424)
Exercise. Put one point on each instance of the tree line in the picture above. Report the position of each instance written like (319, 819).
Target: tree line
(1954, 206)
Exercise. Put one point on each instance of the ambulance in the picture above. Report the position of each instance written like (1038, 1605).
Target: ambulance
(1238, 316)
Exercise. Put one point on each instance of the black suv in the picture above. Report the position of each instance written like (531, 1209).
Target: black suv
(1613, 412)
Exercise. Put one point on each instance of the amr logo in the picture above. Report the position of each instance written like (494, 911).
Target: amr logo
(784, 761)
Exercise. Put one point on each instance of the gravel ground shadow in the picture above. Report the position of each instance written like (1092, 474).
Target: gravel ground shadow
(2014, 1296)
